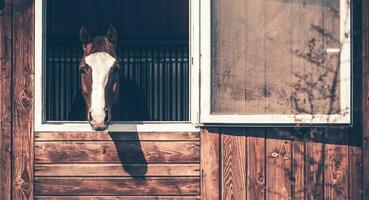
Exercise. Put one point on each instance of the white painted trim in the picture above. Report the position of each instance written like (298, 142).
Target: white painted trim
(194, 61)
(118, 127)
(205, 63)
(39, 35)
(42, 126)
(345, 85)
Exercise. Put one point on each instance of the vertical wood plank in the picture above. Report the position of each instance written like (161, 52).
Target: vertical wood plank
(23, 73)
(336, 167)
(278, 168)
(355, 173)
(365, 60)
(210, 180)
(233, 145)
(314, 165)
(299, 95)
(331, 64)
(229, 56)
(278, 57)
(312, 54)
(5, 99)
(255, 100)
(255, 164)
(298, 170)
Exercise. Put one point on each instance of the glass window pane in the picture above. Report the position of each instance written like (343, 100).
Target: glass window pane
(275, 57)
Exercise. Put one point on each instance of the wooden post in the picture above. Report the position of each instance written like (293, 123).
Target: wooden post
(210, 181)
(365, 59)
(5, 99)
(22, 100)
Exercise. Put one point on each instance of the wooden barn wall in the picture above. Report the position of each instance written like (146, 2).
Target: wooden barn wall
(236, 163)
(125, 165)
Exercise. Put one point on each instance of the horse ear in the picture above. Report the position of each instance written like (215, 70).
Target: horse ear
(84, 35)
(112, 35)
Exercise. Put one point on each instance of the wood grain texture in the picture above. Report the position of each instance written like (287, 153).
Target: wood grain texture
(126, 152)
(330, 70)
(336, 172)
(233, 164)
(312, 53)
(106, 136)
(278, 169)
(117, 186)
(278, 73)
(299, 95)
(298, 170)
(23, 81)
(80, 170)
(355, 173)
(365, 60)
(117, 197)
(210, 179)
(256, 165)
(309, 80)
(5, 99)
(229, 56)
(314, 168)
(255, 98)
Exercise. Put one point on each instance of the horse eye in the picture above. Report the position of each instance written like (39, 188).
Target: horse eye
(82, 71)
(114, 70)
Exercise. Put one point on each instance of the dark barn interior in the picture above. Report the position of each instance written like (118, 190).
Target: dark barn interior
(153, 51)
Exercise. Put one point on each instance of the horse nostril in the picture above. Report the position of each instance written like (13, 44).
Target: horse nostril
(89, 116)
(106, 119)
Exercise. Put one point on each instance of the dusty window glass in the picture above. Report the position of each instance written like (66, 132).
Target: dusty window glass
(275, 57)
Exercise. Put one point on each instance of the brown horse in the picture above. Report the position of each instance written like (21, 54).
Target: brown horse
(101, 84)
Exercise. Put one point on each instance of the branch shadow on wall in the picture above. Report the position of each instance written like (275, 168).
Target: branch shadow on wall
(331, 144)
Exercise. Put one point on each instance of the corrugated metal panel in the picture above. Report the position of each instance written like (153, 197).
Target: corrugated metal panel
(160, 69)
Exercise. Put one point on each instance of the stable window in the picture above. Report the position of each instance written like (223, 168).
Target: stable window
(244, 62)
(275, 62)
(153, 38)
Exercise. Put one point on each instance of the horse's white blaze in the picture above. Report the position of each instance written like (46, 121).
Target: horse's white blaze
(100, 63)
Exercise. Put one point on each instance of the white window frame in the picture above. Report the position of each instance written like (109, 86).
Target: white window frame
(142, 126)
(344, 117)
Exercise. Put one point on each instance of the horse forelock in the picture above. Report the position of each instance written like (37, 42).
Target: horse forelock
(100, 44)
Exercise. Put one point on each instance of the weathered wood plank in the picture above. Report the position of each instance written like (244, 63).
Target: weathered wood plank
(210, 180)
(365, 60)
(299, 96)
(5, 99)
(255, 99)
(81, 170)
(116, 197)
(278, 169)
(117, 186)
(336, 164)
(278, 73)
(355, 173)
(229, 56)
(314, 166)
(233, 145)
(256, 164)
(298, 168)
(125, 152)
(23, 79)
(313, 54)
(330, 70)
(105, 136)
(336, 172)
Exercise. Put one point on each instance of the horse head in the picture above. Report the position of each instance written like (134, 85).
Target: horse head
(99, 76)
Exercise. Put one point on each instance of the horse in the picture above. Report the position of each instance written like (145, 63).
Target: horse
(99, 100)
